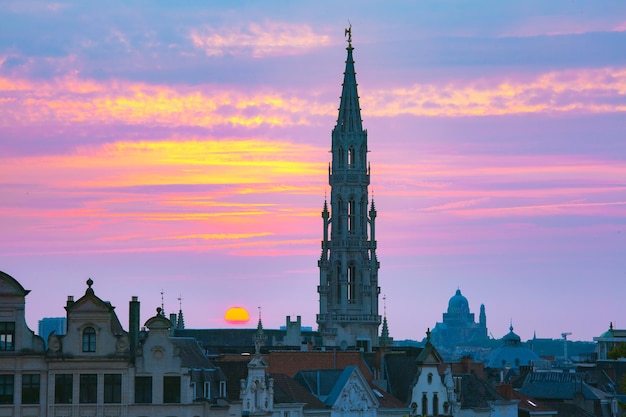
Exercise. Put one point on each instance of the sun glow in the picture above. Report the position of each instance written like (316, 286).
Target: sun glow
(237, 315)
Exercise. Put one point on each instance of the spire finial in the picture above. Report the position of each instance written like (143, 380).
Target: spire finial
(162, 303)
(428, 335)
(348, 33)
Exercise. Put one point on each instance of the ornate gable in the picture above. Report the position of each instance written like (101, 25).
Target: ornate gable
(352, 393)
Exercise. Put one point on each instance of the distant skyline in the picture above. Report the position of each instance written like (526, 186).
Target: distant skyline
(184, 148)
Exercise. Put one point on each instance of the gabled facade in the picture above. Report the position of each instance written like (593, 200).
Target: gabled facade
(89, 367)
(23, 375)
(348, 288)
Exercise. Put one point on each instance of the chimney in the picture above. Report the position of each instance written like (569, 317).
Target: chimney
(133, 323)
(70, 301)
(173, 320)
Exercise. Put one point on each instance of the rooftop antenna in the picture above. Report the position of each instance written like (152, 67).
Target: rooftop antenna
(162, 303)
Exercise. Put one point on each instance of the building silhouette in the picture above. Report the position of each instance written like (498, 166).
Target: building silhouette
(458, 326)
(348, 289)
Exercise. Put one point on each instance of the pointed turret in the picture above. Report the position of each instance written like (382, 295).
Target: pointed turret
(259, 337)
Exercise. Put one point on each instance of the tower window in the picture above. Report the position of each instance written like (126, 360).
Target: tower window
(351, 212)
(435, 404)
(351, 283)
(89, 339)
(424, 404)
(351, 158)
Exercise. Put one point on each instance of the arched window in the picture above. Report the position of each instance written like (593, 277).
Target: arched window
(430, 378)
(435, 404)
(89, 339)
(351, 157)
(424, 404)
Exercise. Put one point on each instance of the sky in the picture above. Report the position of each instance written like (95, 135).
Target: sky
(179, 153)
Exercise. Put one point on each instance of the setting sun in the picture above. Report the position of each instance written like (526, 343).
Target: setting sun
(237, 315)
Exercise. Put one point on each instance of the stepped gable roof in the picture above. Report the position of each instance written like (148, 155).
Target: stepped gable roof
(477, 393)
(10, 286)
(288, 390)
(560, 386)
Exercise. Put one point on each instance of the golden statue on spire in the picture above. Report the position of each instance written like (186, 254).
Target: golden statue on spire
(348, 32)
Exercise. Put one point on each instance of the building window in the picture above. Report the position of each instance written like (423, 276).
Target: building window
(207, 390)
(435, 404)
(351, 284)
(7, 335)
(143, 389)
(112, 388)
(430, 378)
(89, 339)
(30, 388)
(171, 389)
(6, 389)
(351, 158)
(63, 388)
(424, 404)
(351, 213)
(223, 389)
(88, 389)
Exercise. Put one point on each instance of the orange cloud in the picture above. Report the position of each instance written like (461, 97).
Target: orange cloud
(202, 161)
(70, 101)
(582, 91)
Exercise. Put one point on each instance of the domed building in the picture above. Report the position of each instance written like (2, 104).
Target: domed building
(458, 326)
(512, 353)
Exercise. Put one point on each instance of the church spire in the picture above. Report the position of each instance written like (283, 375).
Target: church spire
(349, 119)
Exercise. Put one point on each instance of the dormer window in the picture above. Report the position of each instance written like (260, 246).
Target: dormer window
(89, 339)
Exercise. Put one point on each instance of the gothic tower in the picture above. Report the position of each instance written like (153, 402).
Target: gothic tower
(348, 289)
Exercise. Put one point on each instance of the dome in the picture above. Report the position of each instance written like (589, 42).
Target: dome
(512, 354)
(458, 304)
